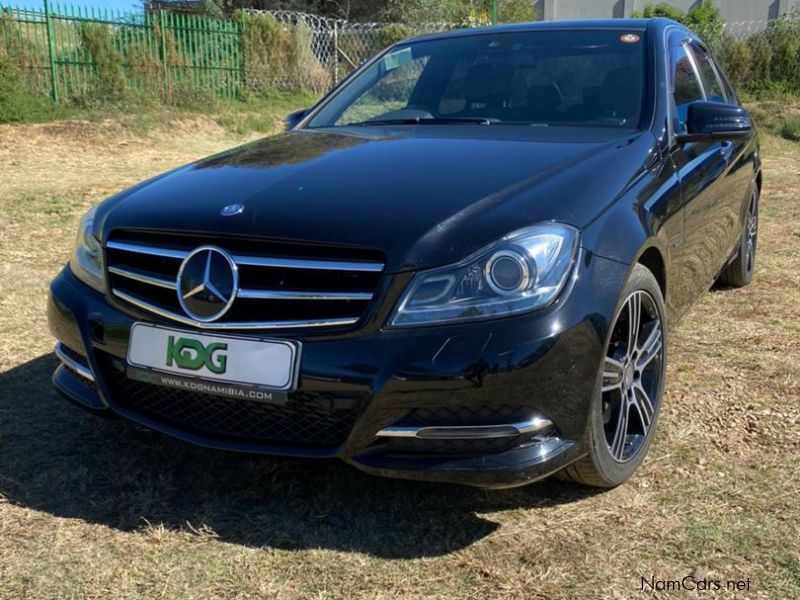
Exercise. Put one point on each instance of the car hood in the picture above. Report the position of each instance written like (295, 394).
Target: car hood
(425, 195)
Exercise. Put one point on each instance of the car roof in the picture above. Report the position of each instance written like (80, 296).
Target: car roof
(657, 23)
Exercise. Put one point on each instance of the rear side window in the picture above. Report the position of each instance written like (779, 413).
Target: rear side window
(685, 84)
(708, 73)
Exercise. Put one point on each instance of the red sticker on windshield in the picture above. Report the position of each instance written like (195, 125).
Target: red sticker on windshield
(629, 38)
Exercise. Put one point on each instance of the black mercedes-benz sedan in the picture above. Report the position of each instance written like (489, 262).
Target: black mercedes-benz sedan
(461, 265)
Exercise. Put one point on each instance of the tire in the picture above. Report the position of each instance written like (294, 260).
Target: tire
(739, 272)
(630, 383)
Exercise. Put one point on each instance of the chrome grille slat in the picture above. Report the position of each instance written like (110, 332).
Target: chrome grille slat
(252, 294)
(258, 261)
(151, 250)
(301, 295)
(331, 292)
(143, 304)
(316, 265)
(149, 279)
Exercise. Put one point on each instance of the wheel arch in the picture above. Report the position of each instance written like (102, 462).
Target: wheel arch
(651, 257)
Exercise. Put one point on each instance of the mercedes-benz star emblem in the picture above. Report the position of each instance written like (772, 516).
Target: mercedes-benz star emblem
(232, 209)
(208, 281)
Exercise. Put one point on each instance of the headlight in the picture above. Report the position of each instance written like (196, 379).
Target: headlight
(523, 271)
(87, 260)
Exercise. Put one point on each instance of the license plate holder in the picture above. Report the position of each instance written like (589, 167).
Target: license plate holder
(231, 364)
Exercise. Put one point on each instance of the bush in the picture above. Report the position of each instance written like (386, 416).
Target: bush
(791, 129)
(18, 103)
(784, 38)
(391, 34)
(660, 10)
(516, 11)
(280, 56)
(305, 72)
(706, 21)
(762, 63)
(109, 77)
(737, 59)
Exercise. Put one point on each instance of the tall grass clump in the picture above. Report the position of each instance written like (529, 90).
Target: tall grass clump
(108, 73)
(280, 56)
(791, 129)
(18, 102)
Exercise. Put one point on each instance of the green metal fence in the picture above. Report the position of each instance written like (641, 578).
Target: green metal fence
(76, 53)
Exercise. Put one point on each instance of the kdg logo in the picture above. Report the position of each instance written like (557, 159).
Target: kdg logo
(187, 353)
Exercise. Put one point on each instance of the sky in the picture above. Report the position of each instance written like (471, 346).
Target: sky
(115, 4)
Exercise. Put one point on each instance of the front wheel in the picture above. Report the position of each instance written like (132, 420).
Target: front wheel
(627, 401)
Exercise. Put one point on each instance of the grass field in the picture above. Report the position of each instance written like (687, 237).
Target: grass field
(91, 508)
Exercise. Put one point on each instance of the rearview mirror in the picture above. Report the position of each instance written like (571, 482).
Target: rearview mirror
(291, 121)
(712, 121)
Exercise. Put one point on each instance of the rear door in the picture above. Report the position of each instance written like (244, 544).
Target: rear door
(700, 167)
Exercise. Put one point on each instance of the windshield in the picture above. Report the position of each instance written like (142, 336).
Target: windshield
(571, 78)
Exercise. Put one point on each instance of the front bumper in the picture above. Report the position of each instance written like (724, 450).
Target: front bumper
(542, 365)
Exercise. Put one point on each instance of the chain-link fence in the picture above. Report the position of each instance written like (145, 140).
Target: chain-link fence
(340, 46)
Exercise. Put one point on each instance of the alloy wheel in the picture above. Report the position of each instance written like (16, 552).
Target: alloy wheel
(632, 376)
(752, 232)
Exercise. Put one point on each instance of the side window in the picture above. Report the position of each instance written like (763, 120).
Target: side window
(685, 84)
(711, 82)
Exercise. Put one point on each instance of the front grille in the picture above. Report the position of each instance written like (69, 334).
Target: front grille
(305, 421)
(281, 285)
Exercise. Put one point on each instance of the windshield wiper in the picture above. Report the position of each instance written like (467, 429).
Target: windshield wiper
(425, 121)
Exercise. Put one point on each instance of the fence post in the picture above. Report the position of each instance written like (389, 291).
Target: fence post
(51, 50)
(162, 30)
(336, 52)
(243, 49)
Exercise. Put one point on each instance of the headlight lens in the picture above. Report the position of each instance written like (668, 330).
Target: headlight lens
(87, 260)
(523, 271)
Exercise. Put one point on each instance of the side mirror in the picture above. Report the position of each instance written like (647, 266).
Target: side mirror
(291, 121)
(712, 121)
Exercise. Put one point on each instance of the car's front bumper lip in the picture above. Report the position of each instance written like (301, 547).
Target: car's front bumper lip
(548, 362)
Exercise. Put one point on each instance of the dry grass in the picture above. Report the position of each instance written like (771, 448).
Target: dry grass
(93, 508)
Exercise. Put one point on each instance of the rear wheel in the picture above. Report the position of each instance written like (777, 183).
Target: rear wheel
(740, 270)
(625, 410)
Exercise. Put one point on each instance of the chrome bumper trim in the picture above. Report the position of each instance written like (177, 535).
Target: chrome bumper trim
(72, 364)
(467, 432)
